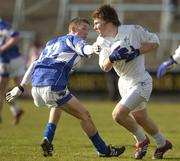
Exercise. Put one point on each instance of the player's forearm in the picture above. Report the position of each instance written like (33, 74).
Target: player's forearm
(147, 47)
(107, 65)
(11, 42)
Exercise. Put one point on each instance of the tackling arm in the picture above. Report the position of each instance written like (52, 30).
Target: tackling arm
(82, 48)
(11, 42)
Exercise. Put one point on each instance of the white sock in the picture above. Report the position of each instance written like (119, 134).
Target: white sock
(14, 109)
(160, 139)
(139, 135)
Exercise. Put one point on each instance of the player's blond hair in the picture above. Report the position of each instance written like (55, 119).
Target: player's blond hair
(77, 21)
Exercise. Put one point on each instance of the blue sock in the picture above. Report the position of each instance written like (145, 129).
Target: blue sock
(99, 143)
(50, 131)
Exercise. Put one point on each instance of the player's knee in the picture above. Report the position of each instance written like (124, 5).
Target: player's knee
(117, 117)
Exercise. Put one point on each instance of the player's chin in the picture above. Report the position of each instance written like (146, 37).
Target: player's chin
(99, 33)
(102, 34)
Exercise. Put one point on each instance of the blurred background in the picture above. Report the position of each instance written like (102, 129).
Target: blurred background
(42, 20)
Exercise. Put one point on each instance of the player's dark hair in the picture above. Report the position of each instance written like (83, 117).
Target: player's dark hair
(106, 13)
(77, 21)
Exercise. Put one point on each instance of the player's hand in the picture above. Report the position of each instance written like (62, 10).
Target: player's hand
(133, 54)
(96, 48)
(14, 93)
(119, 53)
(165, 67)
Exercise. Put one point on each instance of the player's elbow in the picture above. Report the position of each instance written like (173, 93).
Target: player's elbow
(155, 45)
(106, 68)
(106, 65)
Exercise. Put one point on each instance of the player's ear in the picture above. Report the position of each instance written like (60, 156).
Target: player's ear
(74, 29)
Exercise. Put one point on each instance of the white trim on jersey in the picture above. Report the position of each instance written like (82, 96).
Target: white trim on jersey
(87, 49)
(27, 76)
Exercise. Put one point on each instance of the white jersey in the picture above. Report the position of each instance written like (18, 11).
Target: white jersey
(176, 56)
(134, 71)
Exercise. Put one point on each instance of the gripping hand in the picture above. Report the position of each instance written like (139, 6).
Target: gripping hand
(133, 54)
(96, 48)
(164, 67)
(119, 53)
(14, 93)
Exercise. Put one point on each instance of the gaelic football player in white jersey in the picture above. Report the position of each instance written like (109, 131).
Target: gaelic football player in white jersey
(169, 64)
(49, 86)
(122, 47)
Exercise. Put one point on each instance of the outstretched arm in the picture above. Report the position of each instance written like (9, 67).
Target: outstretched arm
(11, 42)
(165, 67)
(169, 64)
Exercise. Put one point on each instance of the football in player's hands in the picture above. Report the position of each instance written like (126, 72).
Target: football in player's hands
(119, 51)
(133, 54)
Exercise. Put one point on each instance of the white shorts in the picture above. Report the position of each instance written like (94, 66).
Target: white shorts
(45, 96)
(136, 97)
(15, 68)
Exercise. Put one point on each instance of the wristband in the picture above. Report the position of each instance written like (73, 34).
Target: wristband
(21, 88)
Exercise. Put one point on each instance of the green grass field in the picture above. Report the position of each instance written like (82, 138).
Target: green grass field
(21, 142)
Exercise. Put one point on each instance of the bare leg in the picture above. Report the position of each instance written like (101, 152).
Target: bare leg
(74, 108)
(143, 119)
(149, 126)
(121, 115)
(54, 115)
(3, 86)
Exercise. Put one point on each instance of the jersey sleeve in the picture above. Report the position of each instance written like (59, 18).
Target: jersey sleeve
(80, 46)
(145, 36)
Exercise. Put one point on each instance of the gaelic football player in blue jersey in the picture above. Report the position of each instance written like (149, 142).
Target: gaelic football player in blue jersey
(11, 65)
(49, 75)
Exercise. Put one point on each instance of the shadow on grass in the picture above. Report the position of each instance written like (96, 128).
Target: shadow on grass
(171, 158)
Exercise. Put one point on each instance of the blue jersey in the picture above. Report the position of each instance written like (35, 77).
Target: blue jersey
(6, 32)
(57, 60)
